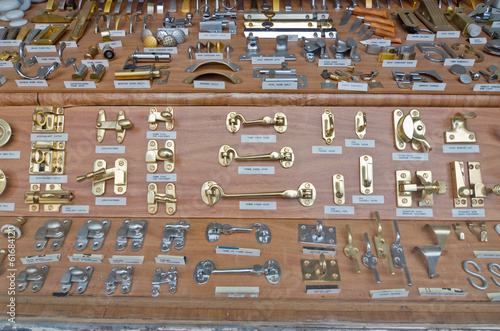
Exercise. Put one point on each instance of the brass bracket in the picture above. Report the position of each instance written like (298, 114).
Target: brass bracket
(169, 198)
(409, 129)
(48, 119)
(234, 121)
(328, 126)
(101, 174)
(381, 246)
(120, 125)
(47, 157)
(166, 154)
(366, 174)
(50, 35)
(360, 124)
(481, 235)
(52, 198)
(3, 181)
(156, 116)
(321, 270)
(52, 229)
(459, 132)
(404, 188)
(338, 189)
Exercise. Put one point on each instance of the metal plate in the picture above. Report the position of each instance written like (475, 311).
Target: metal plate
(308, 235)
(311, 270)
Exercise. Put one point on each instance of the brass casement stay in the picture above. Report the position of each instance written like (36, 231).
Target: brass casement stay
(156, 116)
(350, 250)
(101, 174)
(121, 275)
(52, 229)
(120, 125)
(35, 275)
(76, 275)
(460, 133)
(381, 246)
(317, 234)
(360, 124)
(460, 191)
(479, 230)
(164, 277)
(47, 157)
(321, 270)
(285, 156)
(52, 198)
(404, 188)
(328, 126)
(338, 189)
(366, 174)
(409, 129)
(174, 235)
(3, 181)
(169, 198)
(271, 269)
(166, 154)
(92, 229)
(48, 119)
(234, 121)
(131, 229)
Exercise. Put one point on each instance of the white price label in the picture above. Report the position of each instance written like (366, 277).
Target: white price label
(209, 35)
(242, 170)
(47, 59)
(327, 149)
(161, 135)
(209, 56)
(10, 154)
(486, 88)
(334, 63)
(382, 294)
(86, 258)
(48, 179)
(79, 85)
(414, 212)
(493, 297)
(377, 42)
(237, 251)
(464, 62)
(469, 213)
(49, 137)
(237, 291)
(487, 254)
(100, 201)
(6, 64)
(219, 85)
(89, 63)
(133, 84)
(41, 259)
(399, 63)
(75, 209)
(266, 85)
(448, 34)
(171, 259)
(253, 205)
(245, 138)
(410, 156)
(477, 41)
(41, 48)
(110, 149)
(420, 37)
(268, 60)
(10, 43)
(322, 289)
(31, 83)
(429, 86)
(7, 206)
(318, 250)
(461, 149)
(124, 259)
(368, 143)
(360, 87)
(368, 199)
(113, 44)
(161, 178)
(170, 50)
(117, 33)
(339, 210)
(441, 292)
(69, 44)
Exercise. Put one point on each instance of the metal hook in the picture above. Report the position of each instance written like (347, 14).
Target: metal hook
(491, 267)
(481, 235)
(97, 19)
(133, 18)
(31, 61)
(68, 62)
(42, 73)
(109, 18)
(465, 265)
(379, 224)
(146, 20)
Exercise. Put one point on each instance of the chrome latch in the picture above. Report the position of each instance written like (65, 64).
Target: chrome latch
(47, 157)
(174, 233)
(404, 188)
(381, 245)
(369, 260)
(101, 174)
(76, 275)
(167, 154)
(271, 269)
(92, 229)
(169, 198)
(131, 229)
(234, 121)
(366, 174)
(52, 229)
(52, 198)
(360, 124)
(121, 125)
(121, 275)
(409, 129)
(328, 126)
(460, 133)
(156, 116)
(398, 254)
(476, 189)
(321, 270)
(48, 119)
(285, 156)
(215, 230)
(479, 230)
(32, 274)
(164, 277)
(317, 234)
(338, 189)
(433, 252)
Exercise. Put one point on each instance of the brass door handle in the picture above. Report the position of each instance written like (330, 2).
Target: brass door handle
(227, 154)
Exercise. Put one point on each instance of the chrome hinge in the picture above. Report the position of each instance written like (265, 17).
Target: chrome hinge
(317, 234)
(131, 229)
(174, 233)
(121, 125)
(52, 229)
(459, 132)
(92, 229)
(214, 231)
(52, 198)
(156, 116)
(164, 277)
(169, 198)
(404, 188)
(409, 129)
(234, 121)
(48, 119)
(121, 275)
(47, 157)
(76, 275)
(328, 126)
(101, 174)
(321, 270)
(271, 269)
(32, 274)
(167, 154)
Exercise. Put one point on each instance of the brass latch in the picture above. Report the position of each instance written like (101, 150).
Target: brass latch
(321, 270)
(234, 121)
(350, 250)
(338, 189)
(409, 129)
(156, 116)
(459, 132)
(476, 189)
(101, 174)
(169, 198)
(360, 124)
(48, 119)
(404, 188)
(47, 157)
(366, 174)
(227, 154)
(167, 154)
(381, 246)
(120, 125)
(52, 198)
(328, 126)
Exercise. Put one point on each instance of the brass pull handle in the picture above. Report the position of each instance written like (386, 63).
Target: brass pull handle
(234, 121)
(227, 154)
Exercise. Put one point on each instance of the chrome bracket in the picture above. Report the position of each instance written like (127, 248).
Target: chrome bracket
(369, 260)
(271, 269)
(174, 233)
(252, 48)
(169, 198)
(52, 229)
(317, 234)
(121, 125)
(282, 49)
(164, 277)
(131, 229)
(215, 230)
(121, 275)
(76, 275)
(321, 270)
(459, 132)
(166, 154)
(156, 116)
(47, 157)
(32, 274)
(398, 254)
(48, 119)
(92, 229)
(479, 230)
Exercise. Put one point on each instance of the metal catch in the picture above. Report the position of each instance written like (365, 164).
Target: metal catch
(164, 277)
(52, 229)
(174, 233)
(131, 229)
(76, 275)
(92, 229)
(121, 275)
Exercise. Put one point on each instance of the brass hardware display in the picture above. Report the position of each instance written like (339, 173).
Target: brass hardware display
(317, 234)
(476, 189)
(230, 65)
(321, 270)
(101, 174)
(166, 154)
(271, 269)
(82, 20)
(131, 229)
(92, 51)
(360, 124)
(404, 188)
(156, 116)
(234, 121)
(47, 157)
(50, 35)
(233, 78)
(122, 275)
(52, 229)
(138, 74)
(174, 233)
(169, 198)
(460, 133)
(76, 275)
(433, 252)
(3, 181)
(479, 230)
(13, 230)
(350, 250)
(460, 191)
(398, 254)
(366, 174)
(458, 231)
(211, 193)
(338, 189)
(52, 198)
(328, 126)
(35, 275)
(430, 14)
(47, 119)
(5, 132)
(381, 245)
(164, 277)
(369, 260)
(121, 125)
(409, 129)
(227, 154)
(92, 229)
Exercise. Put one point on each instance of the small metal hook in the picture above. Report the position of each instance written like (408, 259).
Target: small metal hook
(146, 17)
(491, 267)
(133, 18)
(465, 265)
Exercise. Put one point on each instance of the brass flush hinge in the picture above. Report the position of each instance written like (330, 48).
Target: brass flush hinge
(52, 198)
(52, 229)
(360, 124)
(156, 116)
(47, 157)
(167, 154)
(120, 125)
(404, 188)
(328, 126)
(460, 133)
(409, 129)
(169, 198)
(101, 174)
(48, 119)
(338, 189)
(321, 270)
(476, 190)
(366, 174)
(234, 121)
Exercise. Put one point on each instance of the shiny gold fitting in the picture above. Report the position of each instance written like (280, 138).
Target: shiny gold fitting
(219, 47)
(91, 52)
(13, 230)
(137, 74)
(339, 78)
(351, 68)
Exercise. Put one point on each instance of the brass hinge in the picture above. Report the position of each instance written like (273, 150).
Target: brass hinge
(101, 174)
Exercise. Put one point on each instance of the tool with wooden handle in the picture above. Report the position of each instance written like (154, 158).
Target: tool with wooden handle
(383, 27)
(384, 33)
(372, 12)
(374, 19)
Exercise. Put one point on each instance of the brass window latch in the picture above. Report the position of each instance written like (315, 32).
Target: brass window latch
(156, 116)
(409, 129)
(121, 125)
(101, 174)
(227, 154)
(47, 157)
(476, 189)
(47, 119)
(234, 121)
(404, 188)
(52, 198)
(155, 154)
(328, 126)
(460, 133)
(169, 198)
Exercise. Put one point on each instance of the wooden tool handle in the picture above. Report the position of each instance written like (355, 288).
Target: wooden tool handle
(383, 27)
(379, 20)
(383, 33)
(395, 40)
(373, 12)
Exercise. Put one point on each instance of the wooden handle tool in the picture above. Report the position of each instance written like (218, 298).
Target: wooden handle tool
(383, 27)
(372, 12)
(384, 33)
(374, 19)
